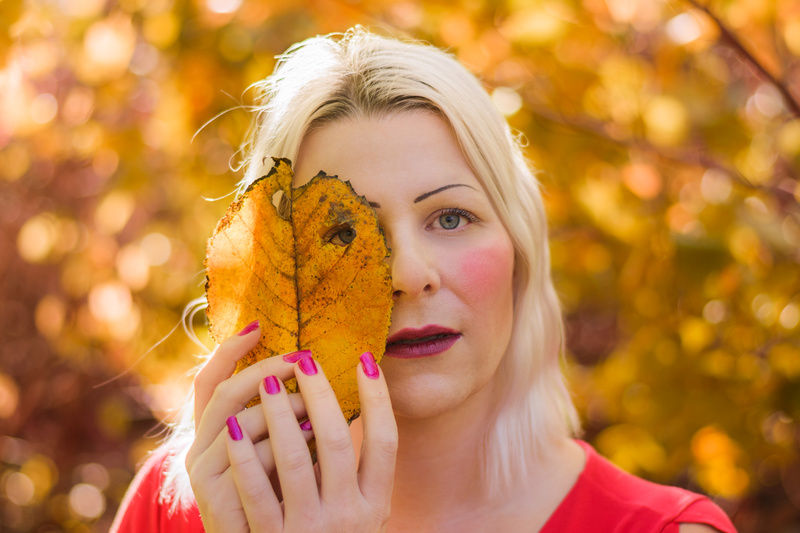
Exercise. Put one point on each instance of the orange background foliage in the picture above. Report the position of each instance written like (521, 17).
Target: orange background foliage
(668, 138)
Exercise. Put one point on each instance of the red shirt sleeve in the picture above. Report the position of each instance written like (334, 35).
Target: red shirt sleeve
(608, 500)
(142, 509)
(702, 512)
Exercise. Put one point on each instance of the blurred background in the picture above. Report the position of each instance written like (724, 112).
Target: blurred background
(668, 137)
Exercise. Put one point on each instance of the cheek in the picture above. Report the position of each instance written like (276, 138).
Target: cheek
(484, 275)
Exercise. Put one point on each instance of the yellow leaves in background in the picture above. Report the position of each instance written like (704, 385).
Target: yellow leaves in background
(600, 195)
(309, 264)
(789, 138)
(716, 458)
(9, 396)
(696, 334)
(791, 33)
(666, 120)
(642, 179)
(537, 23)
(108, 47)
(631, 449)
(669, 167)
(32, 482)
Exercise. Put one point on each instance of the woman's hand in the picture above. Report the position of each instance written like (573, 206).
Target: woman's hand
(218, 395)
(348, 497)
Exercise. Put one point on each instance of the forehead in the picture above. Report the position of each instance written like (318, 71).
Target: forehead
(382, 157)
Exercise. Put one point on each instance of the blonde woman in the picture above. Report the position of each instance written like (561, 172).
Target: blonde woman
(467, 423)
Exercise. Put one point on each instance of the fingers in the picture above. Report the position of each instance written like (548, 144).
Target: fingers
(337, 460)
(289, 449)
(232, 395)
(259, 502)
(379, 449)
(222, 364)
(215, 460)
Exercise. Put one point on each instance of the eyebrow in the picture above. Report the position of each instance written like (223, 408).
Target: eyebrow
(418, 199)
(421, 197)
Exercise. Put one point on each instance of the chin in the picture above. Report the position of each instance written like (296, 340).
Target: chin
(427, 396)
(420, 396)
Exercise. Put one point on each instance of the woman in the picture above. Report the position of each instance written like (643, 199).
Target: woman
(478, 433)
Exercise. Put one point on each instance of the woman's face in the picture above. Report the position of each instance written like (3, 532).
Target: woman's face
(452, 261)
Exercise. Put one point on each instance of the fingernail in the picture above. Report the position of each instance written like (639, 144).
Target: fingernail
(234, 429)
(307, 366)
(296, 356)
(271, 385)
(249, 328)
(369, 366)
(305, 425)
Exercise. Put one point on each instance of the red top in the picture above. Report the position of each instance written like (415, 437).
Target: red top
(608, 500)
(141, 511)
(604, 500)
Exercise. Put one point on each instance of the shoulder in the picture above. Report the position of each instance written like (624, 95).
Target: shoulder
(144, 508)
(605, 498)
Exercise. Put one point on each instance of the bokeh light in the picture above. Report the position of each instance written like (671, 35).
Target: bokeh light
(669, 166)
(87, 501)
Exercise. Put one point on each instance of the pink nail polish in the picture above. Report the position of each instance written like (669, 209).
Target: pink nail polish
(307, 366)
(296, 356)
(272, 385)
(369, 366)
(249, 328)
(305, 425)
(234, 429)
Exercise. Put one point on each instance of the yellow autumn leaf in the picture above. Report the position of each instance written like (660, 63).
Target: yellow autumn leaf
(309, 264)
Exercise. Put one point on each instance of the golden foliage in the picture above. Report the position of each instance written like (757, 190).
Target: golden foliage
(667, 135)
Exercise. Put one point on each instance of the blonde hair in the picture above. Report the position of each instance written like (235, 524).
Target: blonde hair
(362, 75)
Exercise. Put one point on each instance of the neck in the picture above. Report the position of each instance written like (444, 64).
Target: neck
(438, 484)
(439, 463)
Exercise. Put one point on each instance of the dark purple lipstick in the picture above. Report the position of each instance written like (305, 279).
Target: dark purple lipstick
(410, 343)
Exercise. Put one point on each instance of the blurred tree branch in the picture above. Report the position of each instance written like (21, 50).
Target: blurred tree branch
(695, 156)
(728, 37)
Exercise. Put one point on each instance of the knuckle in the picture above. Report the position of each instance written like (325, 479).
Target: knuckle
(378, 398)
(280, 417)
(307, 518)
(243, 463)
(222, 390)
(318, 394)
(265, 365)
(339, 441)
(295, 461)
(188, 461)
(224, 387)
(348, 517)
(257, 492)
(201, 380)
(386, 446)
(383, 514)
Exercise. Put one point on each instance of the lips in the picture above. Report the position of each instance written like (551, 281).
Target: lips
(427, 341)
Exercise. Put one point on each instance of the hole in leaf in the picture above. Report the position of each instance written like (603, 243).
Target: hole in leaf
(282, 204)
(340, 235)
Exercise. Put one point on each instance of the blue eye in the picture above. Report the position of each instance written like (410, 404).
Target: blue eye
(455, 218)
(449, 221)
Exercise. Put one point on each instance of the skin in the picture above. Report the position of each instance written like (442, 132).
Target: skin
(418, 467)
(458, 278)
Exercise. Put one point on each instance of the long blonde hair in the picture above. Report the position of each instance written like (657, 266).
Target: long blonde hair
(359, 75)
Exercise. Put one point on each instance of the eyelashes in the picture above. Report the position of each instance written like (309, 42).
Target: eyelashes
(340, 235)
(450, 219)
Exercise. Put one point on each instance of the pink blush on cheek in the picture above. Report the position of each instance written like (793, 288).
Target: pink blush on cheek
(484, 274)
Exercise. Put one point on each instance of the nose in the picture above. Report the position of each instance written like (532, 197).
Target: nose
(414, 268)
